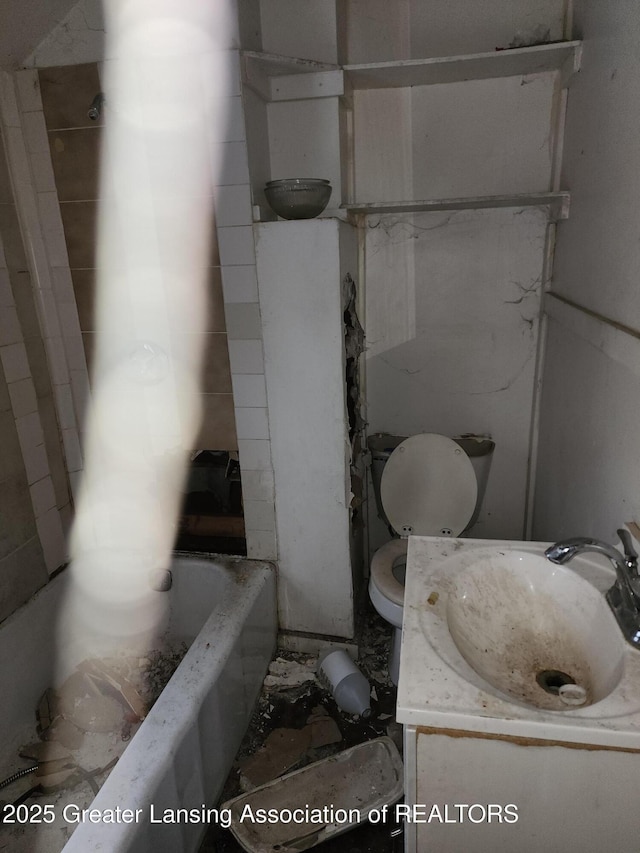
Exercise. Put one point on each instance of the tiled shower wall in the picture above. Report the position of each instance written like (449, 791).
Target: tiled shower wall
(74, 145)
(35, 506)
(233, 287)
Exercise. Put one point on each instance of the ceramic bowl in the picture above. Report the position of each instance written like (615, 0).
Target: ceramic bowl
(298, 198)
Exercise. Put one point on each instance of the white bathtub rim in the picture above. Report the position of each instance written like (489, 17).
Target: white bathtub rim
(142, 769)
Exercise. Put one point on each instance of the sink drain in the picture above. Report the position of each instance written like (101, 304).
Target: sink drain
(551, 680)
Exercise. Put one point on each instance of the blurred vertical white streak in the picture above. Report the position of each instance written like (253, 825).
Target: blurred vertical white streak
(163, 96)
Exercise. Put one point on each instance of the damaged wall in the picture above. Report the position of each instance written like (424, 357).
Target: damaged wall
(354, 345)
(301, 266)
(452, 339)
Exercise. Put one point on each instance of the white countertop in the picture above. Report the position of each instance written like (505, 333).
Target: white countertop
(438, 688)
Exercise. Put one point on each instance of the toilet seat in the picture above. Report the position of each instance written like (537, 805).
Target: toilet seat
(428, 487)
(382, 570)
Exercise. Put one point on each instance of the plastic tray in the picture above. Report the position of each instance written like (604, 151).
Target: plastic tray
(301, 809)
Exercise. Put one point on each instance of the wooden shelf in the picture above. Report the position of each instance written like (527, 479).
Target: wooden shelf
(284, 78)
(558, 204)
(560, 56)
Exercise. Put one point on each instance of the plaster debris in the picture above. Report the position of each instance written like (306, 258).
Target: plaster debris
(282, 750)
(42, 752)
(65, 733)
(303, 724)
(84, 727)
(80, 702)
(323, 728)
(107, 679)
(395, 732)
(289, 673)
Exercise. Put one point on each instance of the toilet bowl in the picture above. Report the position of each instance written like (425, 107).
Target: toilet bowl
(427, 485)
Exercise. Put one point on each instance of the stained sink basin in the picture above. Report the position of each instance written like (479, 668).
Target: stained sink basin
(535, 631)
(499, 641)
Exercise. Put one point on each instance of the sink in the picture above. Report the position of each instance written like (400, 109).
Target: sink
(535, 631)
(516, 686)
(499, 640)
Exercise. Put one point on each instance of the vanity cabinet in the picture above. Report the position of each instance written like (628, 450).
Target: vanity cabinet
(478, 793)
(487, 769)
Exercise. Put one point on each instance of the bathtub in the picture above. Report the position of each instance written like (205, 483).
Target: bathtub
(180, 756)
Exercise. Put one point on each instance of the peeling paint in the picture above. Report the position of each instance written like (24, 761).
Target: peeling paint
(354, 347)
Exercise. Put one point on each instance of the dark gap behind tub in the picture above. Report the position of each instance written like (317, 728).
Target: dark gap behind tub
(212, 518)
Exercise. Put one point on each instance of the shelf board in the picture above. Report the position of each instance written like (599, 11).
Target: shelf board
(559, 56)
(557, 202)
(286, 78)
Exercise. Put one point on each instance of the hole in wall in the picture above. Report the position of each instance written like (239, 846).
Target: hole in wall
(212, 516)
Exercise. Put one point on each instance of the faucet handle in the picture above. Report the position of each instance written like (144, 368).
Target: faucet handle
(627, 544)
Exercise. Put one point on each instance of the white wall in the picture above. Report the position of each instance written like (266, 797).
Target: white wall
(300, 285)
(300, 28)
(453, 299)
(452, 338)
(480, 137)
(588, 477)
(378, 30)
(451, 27)
(304, 141)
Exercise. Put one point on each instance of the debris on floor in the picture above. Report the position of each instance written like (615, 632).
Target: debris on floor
(332, 796)
(349, 687)
(83, 728)
(285, 748)
(297, 722)
(282, 750)
(324, 729)
(289, 673)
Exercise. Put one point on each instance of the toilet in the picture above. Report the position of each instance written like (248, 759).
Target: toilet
(425, 485)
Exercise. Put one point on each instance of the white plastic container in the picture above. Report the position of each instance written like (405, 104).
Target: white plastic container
(350, 688)
(331, 796)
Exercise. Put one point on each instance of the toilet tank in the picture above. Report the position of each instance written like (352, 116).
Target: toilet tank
(479, 449)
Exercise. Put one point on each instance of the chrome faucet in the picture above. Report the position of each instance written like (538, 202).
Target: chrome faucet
(624, 595)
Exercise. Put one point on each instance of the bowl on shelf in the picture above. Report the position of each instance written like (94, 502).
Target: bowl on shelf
(298, 198)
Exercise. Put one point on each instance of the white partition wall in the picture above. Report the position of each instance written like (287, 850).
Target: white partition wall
(299, 283)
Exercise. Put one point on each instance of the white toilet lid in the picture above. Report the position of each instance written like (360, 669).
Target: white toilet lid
(428, 487)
